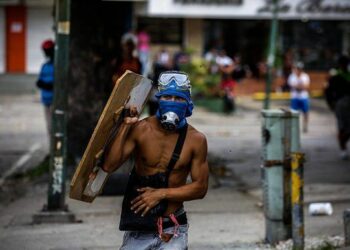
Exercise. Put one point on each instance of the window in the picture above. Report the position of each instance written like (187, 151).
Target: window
(163, 30)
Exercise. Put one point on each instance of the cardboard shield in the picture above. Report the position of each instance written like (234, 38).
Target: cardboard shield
(131, 90)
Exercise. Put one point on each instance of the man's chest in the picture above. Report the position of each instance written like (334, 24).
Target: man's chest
(156, 152)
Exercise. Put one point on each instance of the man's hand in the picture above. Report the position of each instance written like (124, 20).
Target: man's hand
(148, 199)
(132, 118)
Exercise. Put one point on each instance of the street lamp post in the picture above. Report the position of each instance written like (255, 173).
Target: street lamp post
(56, 210)
(271, 53)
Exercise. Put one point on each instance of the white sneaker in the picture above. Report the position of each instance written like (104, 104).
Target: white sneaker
(344, 155)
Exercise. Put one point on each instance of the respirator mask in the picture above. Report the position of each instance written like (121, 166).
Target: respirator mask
(172, 114)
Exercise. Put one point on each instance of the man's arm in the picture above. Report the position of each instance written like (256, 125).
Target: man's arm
(197, 189)
(44, 85)
(122, 146)
(120, 150)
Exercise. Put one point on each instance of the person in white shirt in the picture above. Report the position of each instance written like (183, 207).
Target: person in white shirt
(299, 83)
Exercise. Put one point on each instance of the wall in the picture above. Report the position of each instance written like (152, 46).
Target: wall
(39, 28)
(2, 40)
(40, 23)
(193, 34)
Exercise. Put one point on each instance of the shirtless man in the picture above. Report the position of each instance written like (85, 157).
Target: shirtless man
(152, 140)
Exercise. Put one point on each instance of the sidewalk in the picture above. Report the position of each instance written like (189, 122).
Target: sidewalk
(230, 216)
(216, 221)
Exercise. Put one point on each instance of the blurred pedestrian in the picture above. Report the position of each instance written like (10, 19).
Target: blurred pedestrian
(128, 36)
(143, 49)
(299, 83)
(162, 63)
(128, 61)
(287, 69)
(163, 59)
(45, 80)
(240, 71)
(338, 98)
(227, 84)
(210, 57)
(181, 59)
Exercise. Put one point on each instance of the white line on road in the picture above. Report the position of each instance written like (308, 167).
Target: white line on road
(20, 162)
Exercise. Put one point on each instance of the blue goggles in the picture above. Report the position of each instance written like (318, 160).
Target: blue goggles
(175, 80)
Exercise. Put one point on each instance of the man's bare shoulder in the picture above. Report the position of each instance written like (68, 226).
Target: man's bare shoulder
(144, 125)
(196, 136)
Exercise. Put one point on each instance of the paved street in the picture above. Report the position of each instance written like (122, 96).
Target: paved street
(23, 139)
(230, 217)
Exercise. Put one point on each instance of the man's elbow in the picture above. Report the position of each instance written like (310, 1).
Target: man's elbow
(203, 191)
(110, 167)
(107, 168)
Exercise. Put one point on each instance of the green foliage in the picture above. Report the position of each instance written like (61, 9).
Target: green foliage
(203, 83)
(211, 104)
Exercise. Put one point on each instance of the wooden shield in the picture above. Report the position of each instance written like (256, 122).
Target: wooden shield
(130, 90)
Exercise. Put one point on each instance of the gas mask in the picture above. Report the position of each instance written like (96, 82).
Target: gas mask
(172, 115)
(169, 121)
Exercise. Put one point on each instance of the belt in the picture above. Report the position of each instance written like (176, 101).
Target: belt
(173, 220)
(181, 219)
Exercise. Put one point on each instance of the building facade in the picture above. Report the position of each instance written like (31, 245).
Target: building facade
(22, 30)
(315, 31)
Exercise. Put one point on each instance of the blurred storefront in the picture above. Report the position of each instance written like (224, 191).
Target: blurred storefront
(23, 27)
(25, 24)
(314, 31)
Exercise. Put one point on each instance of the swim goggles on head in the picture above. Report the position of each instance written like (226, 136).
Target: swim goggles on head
(174, 79)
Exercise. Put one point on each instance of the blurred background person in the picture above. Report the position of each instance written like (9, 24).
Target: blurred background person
(240, 71)
(210, 57)
(287, 69)
(162, 62)
(128, 61)
(181, 58)
(143, 49)
(338, 98)
(299, 83)
(46, 80)
(127, 36)
(227, 84)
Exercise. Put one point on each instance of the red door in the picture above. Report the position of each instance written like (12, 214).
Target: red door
(15, 39)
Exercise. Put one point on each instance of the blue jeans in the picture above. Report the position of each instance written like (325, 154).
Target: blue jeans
(149, 240)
